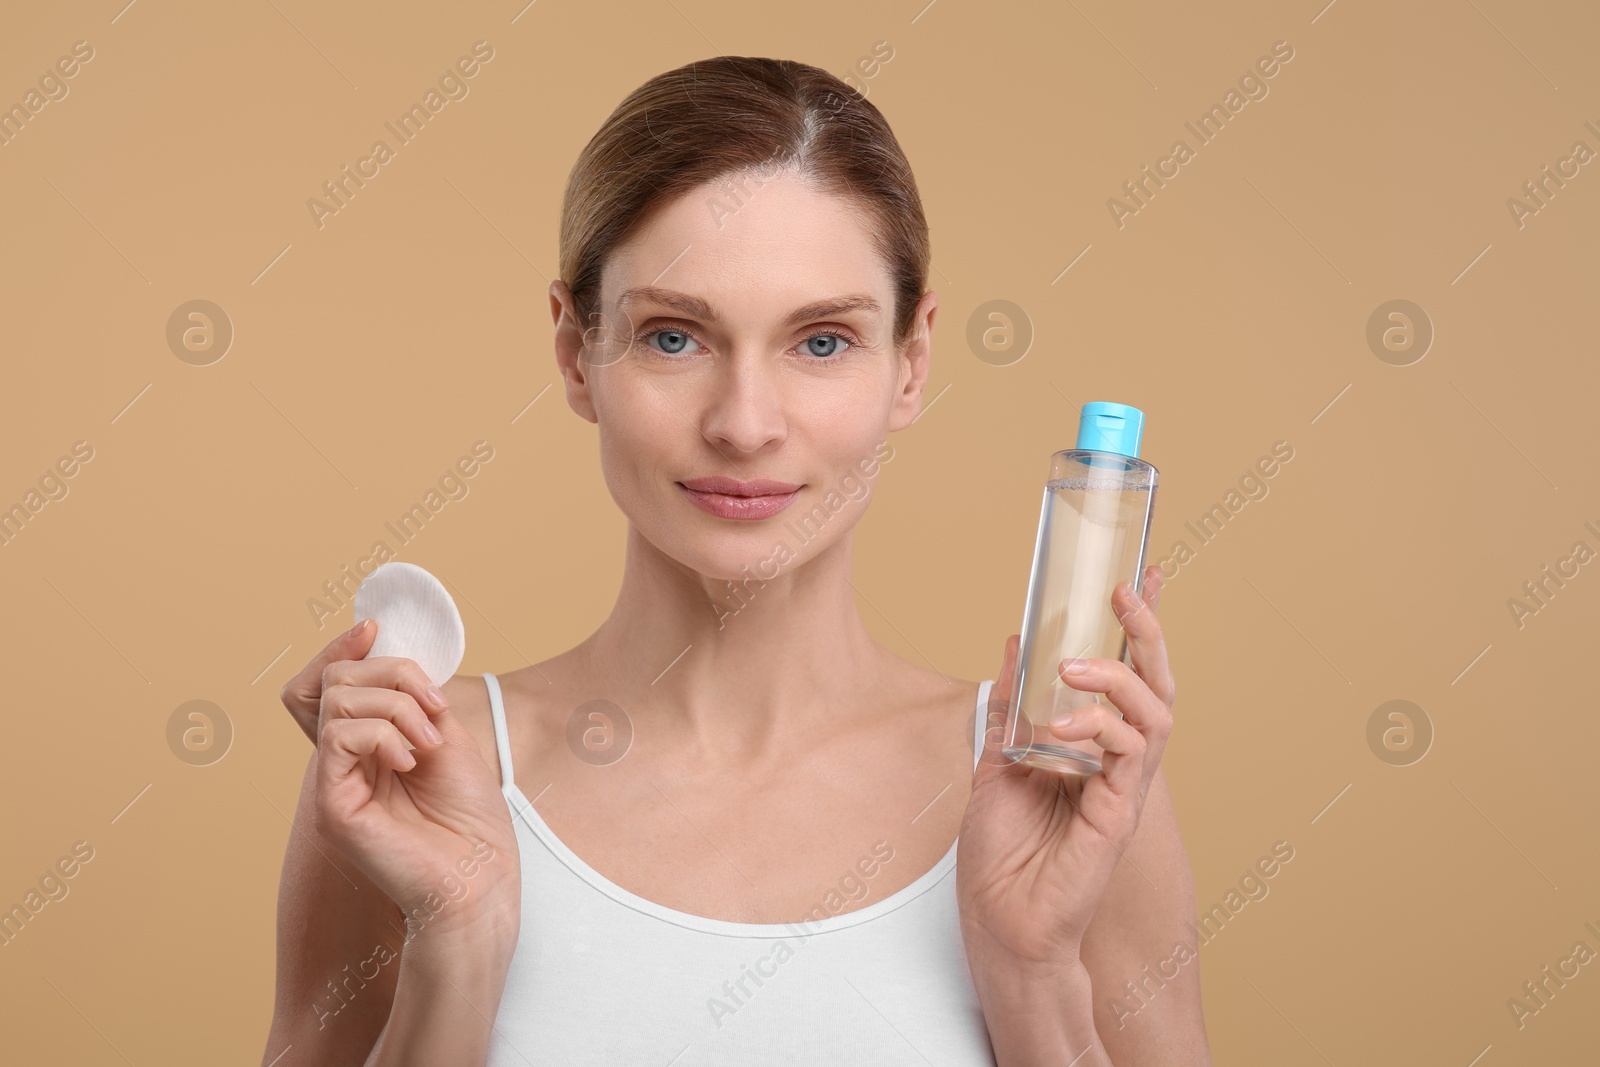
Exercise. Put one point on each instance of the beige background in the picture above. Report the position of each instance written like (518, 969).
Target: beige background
(371, 353)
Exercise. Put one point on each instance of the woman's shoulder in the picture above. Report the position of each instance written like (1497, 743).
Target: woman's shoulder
(935, 684)
(468, 695)
(932, 691)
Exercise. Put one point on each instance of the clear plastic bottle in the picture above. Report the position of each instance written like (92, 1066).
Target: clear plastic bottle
(1094, 528)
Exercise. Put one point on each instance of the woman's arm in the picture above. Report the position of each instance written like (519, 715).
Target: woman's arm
(339, 938)
(1082, 1006)
(1075, 891)
(451, 981)
(1142, 933)
(1038, 1015)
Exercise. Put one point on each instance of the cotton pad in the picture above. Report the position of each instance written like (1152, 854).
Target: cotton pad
(416, 617)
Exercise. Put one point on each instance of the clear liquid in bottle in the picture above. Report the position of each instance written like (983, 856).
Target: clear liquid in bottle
(1094, 528)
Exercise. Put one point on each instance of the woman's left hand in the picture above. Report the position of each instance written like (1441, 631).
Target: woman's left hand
(1037, 847)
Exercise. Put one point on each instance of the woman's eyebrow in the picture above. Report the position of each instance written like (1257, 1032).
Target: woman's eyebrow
(696, 308)
(682, 303)
(825, 309)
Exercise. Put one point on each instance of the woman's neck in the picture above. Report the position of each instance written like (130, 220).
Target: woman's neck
(738, 660)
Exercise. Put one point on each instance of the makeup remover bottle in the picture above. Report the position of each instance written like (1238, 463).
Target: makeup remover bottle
(1094, 528)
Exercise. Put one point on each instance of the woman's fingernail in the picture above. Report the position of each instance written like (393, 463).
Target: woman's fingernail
(436, 696)
(1075, 666)
(357, 628)
(1062, 721)
(431, 732)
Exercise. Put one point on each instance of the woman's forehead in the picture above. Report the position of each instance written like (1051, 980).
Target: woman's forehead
(786, 244)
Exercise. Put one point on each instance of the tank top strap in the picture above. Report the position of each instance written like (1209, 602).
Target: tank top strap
(980, 724)
(502, 740)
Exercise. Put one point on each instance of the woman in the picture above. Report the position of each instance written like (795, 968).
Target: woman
(756, 865)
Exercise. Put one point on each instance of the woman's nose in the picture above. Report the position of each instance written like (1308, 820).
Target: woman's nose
(745, 407)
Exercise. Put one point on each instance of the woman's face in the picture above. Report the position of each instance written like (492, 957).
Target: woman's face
(748, 336)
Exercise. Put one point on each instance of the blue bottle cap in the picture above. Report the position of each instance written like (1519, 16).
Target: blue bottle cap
(1104, 426)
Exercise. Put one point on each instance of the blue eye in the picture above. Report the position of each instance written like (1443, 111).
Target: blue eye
(671, 342)
(826, 344)
(827, 347)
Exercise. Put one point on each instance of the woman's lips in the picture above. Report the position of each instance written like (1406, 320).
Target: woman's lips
(726, 506)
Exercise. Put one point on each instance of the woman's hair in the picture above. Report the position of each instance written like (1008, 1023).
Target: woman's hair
(715, 118)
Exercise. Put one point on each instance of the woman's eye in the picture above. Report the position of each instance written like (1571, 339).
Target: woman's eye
(825, 344)
(678, 342)
(672, 342)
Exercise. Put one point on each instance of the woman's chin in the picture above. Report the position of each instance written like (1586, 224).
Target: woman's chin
(751, 556)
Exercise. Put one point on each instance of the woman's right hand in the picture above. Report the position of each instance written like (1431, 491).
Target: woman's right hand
(429, 826)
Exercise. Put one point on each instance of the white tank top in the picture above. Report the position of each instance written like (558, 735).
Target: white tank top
(601, 975)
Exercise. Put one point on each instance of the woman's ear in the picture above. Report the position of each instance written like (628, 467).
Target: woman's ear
(569, 341)
(914, 363)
